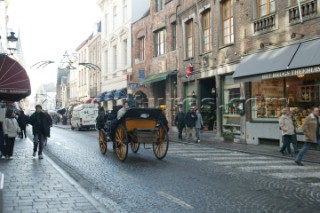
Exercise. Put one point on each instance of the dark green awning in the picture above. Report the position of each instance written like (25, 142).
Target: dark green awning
(152, 78)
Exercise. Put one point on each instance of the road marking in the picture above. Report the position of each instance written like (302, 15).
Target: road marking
(175, 200)
(250, 162)
(276, 167)
(200, 151)
(228, 158)
(302, 174)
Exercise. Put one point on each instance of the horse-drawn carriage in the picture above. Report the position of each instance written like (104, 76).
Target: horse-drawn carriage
(137, 126)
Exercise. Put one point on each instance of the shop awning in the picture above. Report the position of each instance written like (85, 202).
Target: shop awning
(308, 55)
(120, 94)
(14, 80)
(265, 62)
(152, 78)
(109, 95)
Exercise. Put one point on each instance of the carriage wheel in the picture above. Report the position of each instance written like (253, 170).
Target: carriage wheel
(160, 147)
(121, 142)
(102, 142)
(134, 147)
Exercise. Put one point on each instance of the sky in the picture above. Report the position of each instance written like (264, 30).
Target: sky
(48, 28)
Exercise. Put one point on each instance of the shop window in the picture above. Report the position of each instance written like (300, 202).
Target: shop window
(231, 117)
(267, 99)
(303, 93)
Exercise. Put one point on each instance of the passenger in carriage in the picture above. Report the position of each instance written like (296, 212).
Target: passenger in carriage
(123, 110)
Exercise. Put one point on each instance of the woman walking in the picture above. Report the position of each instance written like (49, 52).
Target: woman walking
(11, 129)
(199, 124)
(287, 130)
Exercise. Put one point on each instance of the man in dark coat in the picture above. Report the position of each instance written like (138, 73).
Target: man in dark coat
(191, 118)
(40, 129)
(180, 122)
(23, 122)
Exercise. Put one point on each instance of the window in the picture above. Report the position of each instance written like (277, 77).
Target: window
(159, 5)
(189, 38)
(205, 22)
(227, 22)
(174, 36)
(106, 61)
(141, 43)
(125, 52)
(115, 17)
(125, 10)
(115, 58)
(265, 7)
(159, 42)
(106, 25)
(295, 2)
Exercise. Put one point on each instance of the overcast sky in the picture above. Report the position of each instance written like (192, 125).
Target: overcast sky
(49, 28)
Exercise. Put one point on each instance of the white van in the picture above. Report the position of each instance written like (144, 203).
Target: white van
(84, 116)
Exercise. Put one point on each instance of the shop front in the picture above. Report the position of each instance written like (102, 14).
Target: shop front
(284, 77)
(162, 92)
(230, 108)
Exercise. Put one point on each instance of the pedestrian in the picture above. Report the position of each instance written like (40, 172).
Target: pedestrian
(190, 119)
(23, 120)
(287, 130)
(310, 129)
(199, 125)
(48, 125)
(40, 130)
(2, 119)
(180, 122)
(122, 110)
(294, 136)
(11, 129)
(1, 140)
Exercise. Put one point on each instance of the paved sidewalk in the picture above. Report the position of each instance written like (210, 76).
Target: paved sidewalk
(209, 139)
(33, 185)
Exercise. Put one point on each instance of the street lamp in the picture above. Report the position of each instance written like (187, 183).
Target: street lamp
(12, 43)
(90, 66)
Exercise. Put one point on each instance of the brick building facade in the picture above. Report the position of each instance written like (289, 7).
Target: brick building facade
(237, 51)
(155, 58)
